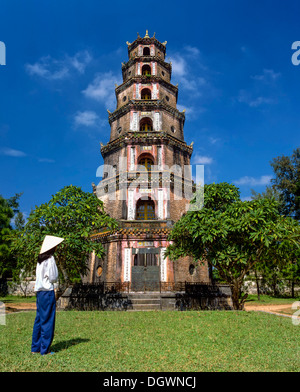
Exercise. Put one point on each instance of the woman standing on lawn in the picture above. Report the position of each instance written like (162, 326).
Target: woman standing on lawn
(46, 275)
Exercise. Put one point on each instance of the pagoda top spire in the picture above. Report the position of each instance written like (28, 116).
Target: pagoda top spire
(146, 40)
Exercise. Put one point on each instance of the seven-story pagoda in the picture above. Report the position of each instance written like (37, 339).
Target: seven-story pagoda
(145, 183)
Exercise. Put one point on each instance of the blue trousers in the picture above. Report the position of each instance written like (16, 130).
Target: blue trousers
(44, 323)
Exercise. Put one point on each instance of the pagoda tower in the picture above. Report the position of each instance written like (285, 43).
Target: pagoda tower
(145, 184)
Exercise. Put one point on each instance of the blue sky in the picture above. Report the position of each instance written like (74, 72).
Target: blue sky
(231, 59)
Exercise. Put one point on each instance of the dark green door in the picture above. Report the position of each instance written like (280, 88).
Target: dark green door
(145, 272)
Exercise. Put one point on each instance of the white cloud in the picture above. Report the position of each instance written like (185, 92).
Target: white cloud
(202, 160)
(213, 140)
(256, 97)
(86, 118)
(192, 51)
(80, 60)
(185, 75)
(46, 160)
(21, 154)
(252, 181)
(12, 153)
(50, 68)
(179, 65)
(247, 98)
(190, 111)
(267, 75)
(102, 89)
(260, 101)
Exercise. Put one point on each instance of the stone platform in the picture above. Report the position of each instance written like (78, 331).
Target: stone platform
(202, 297)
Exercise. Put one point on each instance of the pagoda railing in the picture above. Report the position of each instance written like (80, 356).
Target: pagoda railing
(125, 287)
(117, 296)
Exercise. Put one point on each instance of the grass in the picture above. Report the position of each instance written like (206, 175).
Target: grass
(154, 342)
(269, 300)
(8, 299)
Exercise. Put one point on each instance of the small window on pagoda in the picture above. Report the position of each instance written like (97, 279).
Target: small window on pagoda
(99, 270)
(145, 209)
(192, 269)
(146, 51)
(146, 70)
(146, 125)
(146, 94)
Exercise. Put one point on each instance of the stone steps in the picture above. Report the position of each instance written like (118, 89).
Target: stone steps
(144, 301)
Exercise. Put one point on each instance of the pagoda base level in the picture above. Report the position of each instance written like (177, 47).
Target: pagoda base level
(195, 297)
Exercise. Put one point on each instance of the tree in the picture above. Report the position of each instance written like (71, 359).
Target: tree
(8, 207)
(233, 235)
(6, 214)
(287, 182)
(272, 273)
(264, 272)
(270, 193)
(72, 214)
(19, 221)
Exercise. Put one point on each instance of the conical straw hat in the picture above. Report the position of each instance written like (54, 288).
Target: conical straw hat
(50, 241)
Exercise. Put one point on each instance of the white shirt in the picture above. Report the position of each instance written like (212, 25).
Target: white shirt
(46, 275)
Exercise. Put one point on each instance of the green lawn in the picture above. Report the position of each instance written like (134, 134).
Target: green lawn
(155, 341)
(17, 298)
(270, 300)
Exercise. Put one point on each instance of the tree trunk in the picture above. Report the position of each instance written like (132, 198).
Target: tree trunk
(293, 288)
(236, 291)
(62, 286)
(257, 286)
(61, 289)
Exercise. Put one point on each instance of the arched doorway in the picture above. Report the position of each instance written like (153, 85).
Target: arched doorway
(146, 70)
(146, 125)
(145, 209)
(146, 94)
(147, 162)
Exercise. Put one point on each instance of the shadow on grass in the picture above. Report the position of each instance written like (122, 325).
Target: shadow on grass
(67, 343)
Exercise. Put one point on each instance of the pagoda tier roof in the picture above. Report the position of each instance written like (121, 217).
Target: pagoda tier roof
(146, 59)
(136, 228)
(144, 105)
(145, 137)
(146, 79)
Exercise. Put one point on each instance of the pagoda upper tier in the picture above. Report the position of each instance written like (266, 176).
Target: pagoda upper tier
(147, 58)
(158, 48)
(147, 91)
